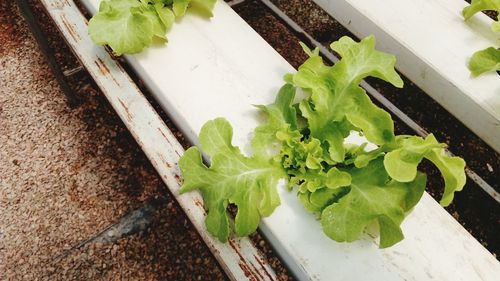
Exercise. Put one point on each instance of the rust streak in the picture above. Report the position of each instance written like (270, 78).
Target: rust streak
(105, 68)
(199, 204)
(168, 140)
(246, 270)
(164, 160)
(164, 136)
(129, 116)
(178, 154)
(114, 80)
(257, 271)
(243, 263)
(57, 5)
(178, 178)
(99, 67)
(74, 34)
(264, 268)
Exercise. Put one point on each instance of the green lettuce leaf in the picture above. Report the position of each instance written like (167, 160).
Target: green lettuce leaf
(401, 163)
(165, 14)
(247, 182)
(484, 61)
(180, 7)
(373, 197)
(206, 5)
(338, 104)
(483, 5)
(315, 202)
(129, 26)
(281, 117)
(159, 28)
(313, 180)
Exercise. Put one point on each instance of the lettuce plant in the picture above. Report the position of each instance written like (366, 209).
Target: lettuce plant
(129, 26)
(486, 60)
(348, 187)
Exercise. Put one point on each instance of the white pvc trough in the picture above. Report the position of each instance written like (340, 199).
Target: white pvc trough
(433, 45)
(220, 67)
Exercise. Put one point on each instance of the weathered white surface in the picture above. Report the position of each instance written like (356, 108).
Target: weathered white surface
(239, 258)
(220, 67)
(433, 45)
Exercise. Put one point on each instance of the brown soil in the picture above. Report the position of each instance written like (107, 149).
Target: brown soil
(67, 174)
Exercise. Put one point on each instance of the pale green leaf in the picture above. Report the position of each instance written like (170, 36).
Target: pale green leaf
(123, 25)
(484, 61)
(129, 26)
(313, 180)
(338, 103)
(180, 6)
(315, 202)
(206, 6)
(495, 26)
(165, 14)
(401, 164)
(248, 182)
(480, 5)
(372, 198)
(159, 28)
(281, 117)
(309, 52)
(452, 170)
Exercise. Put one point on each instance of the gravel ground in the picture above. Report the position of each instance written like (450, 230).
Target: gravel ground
(67, 174)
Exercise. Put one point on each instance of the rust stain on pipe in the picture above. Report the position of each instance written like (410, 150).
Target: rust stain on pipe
(70, 28)
(268, 274)
(104, 69)
(129, 116)
(164, 161)
(249, 273)
(168, 140)
(57, 4)
(164, 136)
(257, 271)
(200, 204)
(178, 179)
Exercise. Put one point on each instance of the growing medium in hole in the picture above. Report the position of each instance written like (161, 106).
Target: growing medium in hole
(347, 186)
